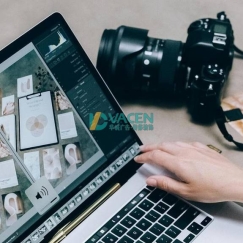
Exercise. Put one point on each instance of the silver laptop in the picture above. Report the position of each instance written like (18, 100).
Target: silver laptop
(66, 155)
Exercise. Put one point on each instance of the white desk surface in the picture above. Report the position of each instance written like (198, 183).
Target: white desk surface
(165, 19)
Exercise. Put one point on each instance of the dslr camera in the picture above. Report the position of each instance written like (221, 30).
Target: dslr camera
(131, 62)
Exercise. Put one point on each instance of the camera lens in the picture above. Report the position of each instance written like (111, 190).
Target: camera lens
(131, 61)
(106, 52)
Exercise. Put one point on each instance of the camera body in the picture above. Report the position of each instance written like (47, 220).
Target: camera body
(131, 62)
(208, 53)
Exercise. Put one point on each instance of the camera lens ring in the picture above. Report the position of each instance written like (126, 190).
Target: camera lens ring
(106, 53)
(169, 66)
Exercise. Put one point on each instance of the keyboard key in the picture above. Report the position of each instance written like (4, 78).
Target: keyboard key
(187, 218)
(177, 209)
(109, 238)
(164, 239)
(128, 222)
(139, 241)
(152, 216)
(137, 213)
(93, 239)
(156, 195)
(131, 205)
(135, 233)
(115, 219)
(146, 205)
(195, 228)
(128, 207)
(173, 232)
(125, 239)
(143, 224)
(119, 230)
(148, 237)
(170, 199)
(102, 231)
(166, 221)
(150, 188)
(110, 223)
(161, 207)
(206, 221)
(141, 195)
(157, 229)
(177, 241)
(189, 238)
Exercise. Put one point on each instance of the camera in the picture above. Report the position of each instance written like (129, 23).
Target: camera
(131, 62)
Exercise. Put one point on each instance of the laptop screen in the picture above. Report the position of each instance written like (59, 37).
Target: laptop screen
(58, 123)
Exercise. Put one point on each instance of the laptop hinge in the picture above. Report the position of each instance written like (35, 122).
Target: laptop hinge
(64, 231)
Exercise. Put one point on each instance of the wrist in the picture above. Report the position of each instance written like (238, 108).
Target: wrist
(236, 192)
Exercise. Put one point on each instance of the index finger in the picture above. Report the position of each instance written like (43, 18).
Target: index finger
(159, 157)
(169, 147)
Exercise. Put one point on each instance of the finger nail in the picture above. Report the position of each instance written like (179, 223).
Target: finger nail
(136, 158)
(142, 147)
(151, 182)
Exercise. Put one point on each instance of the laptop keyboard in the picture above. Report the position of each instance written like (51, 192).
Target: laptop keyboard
(153, 216)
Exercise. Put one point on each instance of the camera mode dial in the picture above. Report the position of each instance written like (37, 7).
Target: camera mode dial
(213, 72)
(201, 24)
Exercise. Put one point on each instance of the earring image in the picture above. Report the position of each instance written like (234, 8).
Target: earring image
(13, 206)
(72, 155)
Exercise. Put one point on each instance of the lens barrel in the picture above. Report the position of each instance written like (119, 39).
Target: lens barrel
(106, 53)
(129, 61)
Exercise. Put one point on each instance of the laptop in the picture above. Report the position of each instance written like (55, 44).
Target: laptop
(66, 156)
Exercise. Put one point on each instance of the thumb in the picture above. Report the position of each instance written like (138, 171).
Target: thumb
(167, 184)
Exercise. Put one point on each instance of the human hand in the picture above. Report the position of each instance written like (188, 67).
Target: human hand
(203, 174)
